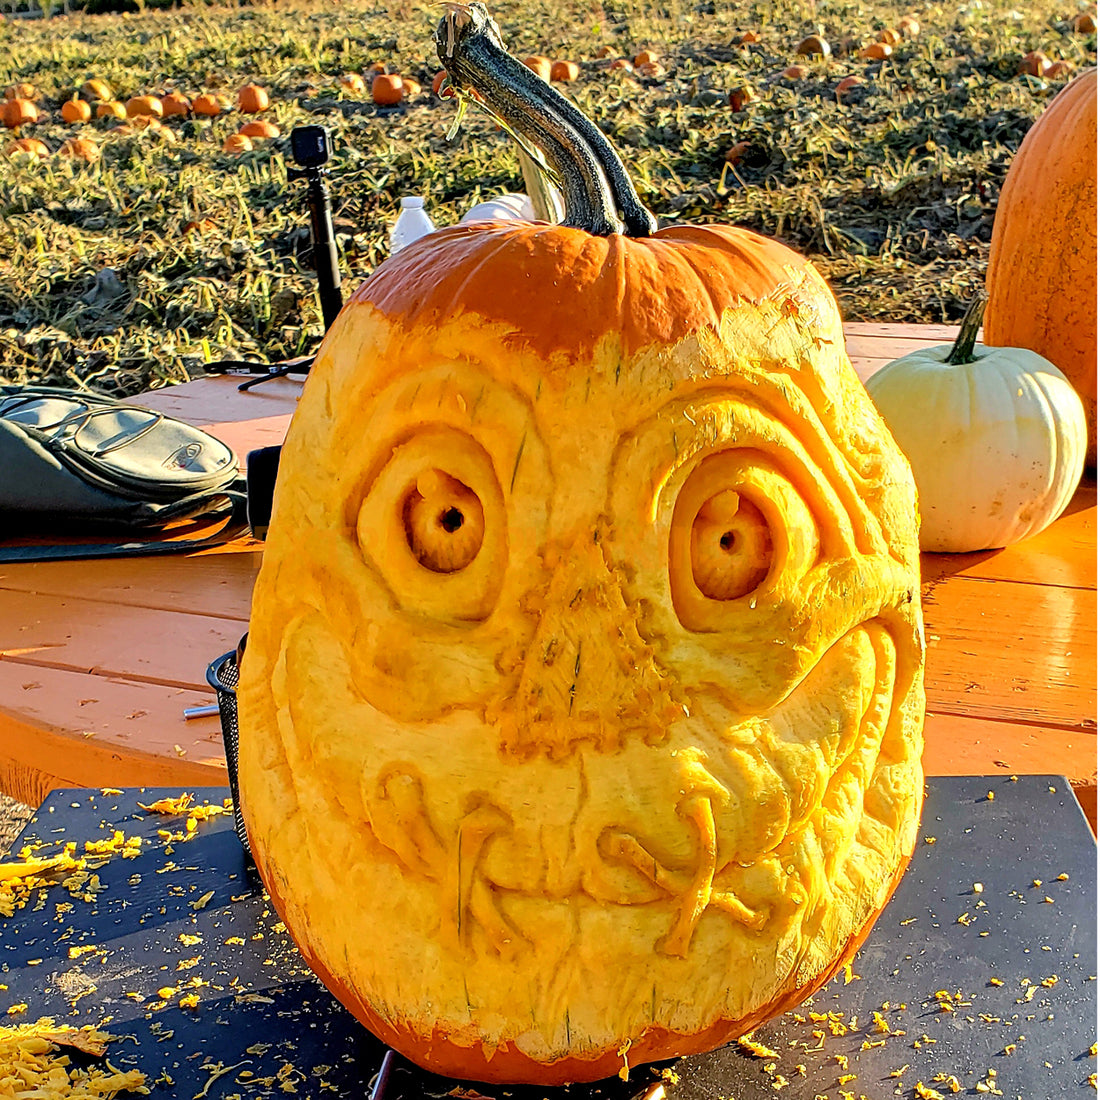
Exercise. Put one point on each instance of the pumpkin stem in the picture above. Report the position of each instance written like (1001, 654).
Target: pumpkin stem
(597, 189)
(962, 351)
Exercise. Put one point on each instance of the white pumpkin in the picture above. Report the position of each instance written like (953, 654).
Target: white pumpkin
(996, 438)
(513, 206)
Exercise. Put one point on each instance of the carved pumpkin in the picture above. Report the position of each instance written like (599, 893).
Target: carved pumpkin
(580, 717)
(1042, 258)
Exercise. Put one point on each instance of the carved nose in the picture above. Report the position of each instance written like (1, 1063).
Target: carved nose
(588, 676)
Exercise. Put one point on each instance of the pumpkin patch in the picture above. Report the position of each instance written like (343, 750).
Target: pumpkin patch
(513, 712)
(822, 170)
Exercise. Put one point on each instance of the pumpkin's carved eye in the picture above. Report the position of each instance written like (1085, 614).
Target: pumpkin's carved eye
(444, 522)
(731, 546)
(432, 524)
(741, 528)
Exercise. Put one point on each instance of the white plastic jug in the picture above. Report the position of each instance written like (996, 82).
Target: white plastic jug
(412, 224)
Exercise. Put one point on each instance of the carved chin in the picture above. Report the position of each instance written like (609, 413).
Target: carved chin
(731, 828)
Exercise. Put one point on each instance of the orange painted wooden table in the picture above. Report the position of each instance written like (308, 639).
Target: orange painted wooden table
(99, 659)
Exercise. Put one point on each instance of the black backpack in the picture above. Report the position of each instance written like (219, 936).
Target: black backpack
(108, 477)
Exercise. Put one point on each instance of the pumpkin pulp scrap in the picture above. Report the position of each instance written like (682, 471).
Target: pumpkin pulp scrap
(580, 717)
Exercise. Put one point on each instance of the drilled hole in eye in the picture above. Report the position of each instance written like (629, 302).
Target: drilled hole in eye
(731, 547)
(444, 522)
(451, 520)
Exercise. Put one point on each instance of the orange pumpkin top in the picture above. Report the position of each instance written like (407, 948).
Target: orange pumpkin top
(1041, 276)
(649, 290)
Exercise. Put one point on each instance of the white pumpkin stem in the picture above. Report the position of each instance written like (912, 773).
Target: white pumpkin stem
(962, 351)
(597, 190)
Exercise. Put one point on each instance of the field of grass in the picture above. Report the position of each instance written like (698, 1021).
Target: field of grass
(891, 188)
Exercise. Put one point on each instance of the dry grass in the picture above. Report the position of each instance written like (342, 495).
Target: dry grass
(891, 189)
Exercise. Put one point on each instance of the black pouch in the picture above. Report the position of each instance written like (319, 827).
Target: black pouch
(80, 466)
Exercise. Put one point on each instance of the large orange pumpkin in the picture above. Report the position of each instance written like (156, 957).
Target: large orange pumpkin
(1042, 260)
(580, 714)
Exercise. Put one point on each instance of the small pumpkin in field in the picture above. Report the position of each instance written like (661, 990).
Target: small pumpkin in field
(646, 57)
(260, 128)
(741, 96)
(175, 105)
(110, 108)
(1041, 276)
(1084, 23)
(27, 147)
(252, 99)
(19, 112)
(409, 87)
(437, 83)
(909, 26)
(565, 71)
(144, 106)
(890, 36)
(813, 46)
(795, 73)
(996, 438)
(21, 90)
(352, 83)
(206, 104)
(237, 143)
(876, 51)
(79, 148)
(539, 65)
(1035, 63)
(76, 110)
(387, 89)
(848, 84)
(97, 89)
(581, 710)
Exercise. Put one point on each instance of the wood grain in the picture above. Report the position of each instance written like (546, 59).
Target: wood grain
(67, 729)
(1014, 651)
(104, 640)
(213, 583)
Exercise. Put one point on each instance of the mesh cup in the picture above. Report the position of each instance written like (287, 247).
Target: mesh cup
(222, 674)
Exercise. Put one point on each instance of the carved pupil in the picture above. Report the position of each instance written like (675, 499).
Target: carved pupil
(444, 522)
(731, 547)
(451, 520)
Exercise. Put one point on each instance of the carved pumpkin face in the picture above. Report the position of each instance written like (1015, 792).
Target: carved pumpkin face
(580, 717)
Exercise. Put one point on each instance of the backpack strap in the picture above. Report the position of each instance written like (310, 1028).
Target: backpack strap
(234, 513)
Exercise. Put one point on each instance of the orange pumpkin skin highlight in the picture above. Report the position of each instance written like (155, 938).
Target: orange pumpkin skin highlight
(1041, 276)
(540, 777)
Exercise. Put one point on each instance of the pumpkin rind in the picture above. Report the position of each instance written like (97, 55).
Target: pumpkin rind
(1041, 277)
(539, 790)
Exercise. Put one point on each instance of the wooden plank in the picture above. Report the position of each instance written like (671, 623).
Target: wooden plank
(216, 400)
(171, 648)
(940, 334)
(67, 729)
(218, 584)
(955, 745)
(1013, 651)
(1063, 554)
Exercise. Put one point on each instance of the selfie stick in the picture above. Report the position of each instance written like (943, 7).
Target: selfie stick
(311, 147)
